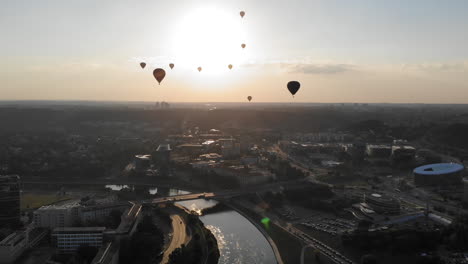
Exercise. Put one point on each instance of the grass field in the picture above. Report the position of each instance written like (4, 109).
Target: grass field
(31, 201)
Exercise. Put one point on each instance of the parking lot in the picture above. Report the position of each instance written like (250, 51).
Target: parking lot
(332, 226)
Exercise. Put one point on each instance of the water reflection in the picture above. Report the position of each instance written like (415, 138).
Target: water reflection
(238, 240)
(198, 204)
(173, 192)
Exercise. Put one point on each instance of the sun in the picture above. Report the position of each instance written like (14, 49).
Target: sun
(210, 38)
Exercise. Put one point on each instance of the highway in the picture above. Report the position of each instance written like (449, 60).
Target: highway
(128, 219)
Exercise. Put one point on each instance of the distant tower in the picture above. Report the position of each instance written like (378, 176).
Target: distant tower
(9, 200)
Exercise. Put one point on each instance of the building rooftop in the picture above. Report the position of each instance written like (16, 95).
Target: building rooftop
(439, 168)
(403, 147)
(143, 157)
(211, 156)
(190, 146)
(9, 178)
(80, 229)
(208, 142)
(379, 146)
(164, 147)
(12, 238)
(75, 203)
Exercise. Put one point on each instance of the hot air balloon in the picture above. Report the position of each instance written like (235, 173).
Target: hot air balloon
(293, 87)
(230, 66)
(249, 98)
(242, 14)
(171, 65)
(199, 69)
(159, 75)
(142, 65)
(243, 45)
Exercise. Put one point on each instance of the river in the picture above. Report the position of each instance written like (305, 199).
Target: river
(239, 241)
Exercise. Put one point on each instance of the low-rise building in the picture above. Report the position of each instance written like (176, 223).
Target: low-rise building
(191, 149)
(378, 151)
(52, 216)
(13, 246)
(69, 239)
(403, 152)
(211, 156)
(381, 204)
(100, 212)
(249, 160)
(203, 164)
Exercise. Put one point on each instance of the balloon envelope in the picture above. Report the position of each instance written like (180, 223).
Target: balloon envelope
(159, 74)
(199, 69)
(243, 45)
(249, 98)
(293, 87)
(171, 65)
(142, 65)
(230, 66)
(242, 13)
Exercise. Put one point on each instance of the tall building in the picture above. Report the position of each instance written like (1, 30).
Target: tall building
(9, 200)
(142, 162)
(162, 155)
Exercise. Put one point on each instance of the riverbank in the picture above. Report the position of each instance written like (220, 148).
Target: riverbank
(286, 247)
(201, 248)
(219, 207)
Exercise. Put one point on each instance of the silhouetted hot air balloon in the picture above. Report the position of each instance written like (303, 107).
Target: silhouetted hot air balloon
(242, 14)
(159, 74)
(243, 45)
(171, 65)
(249, 98)
(293, 87)
(142, 65)
(199, 69)
(230, 66)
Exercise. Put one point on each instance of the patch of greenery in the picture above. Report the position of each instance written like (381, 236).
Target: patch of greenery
(32, 201)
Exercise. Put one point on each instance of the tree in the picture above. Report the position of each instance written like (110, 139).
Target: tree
(145, 245)
(114, 218)
(85, 253)
(368, 259)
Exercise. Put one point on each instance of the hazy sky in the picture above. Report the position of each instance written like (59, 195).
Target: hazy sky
(340, 51)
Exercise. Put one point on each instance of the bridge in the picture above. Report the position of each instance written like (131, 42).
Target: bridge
(297, 184)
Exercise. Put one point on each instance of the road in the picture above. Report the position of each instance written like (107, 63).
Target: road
(300, 166)
(179, 236)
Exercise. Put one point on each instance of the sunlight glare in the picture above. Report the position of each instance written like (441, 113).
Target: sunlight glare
(210, 38)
